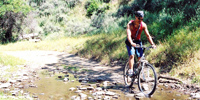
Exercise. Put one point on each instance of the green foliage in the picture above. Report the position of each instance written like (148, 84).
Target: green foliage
(93, 6)
(13, 6)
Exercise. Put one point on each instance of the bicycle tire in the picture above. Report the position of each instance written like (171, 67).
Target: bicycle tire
(147, 80)
(127, 80)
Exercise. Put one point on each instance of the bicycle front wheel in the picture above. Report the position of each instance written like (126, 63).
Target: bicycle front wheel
(127, 80)
(147, 80)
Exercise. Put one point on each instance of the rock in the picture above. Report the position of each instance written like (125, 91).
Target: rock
(65, 72)
(44, 67)
(13, 81)
(25, 74)
(14, 92)
(34, 96)
(25, 78)
(6, 90)
(3, 81)
(83, 96)
(84, 81)
(139, 95)
(99, 93)
(78, 91)
(21, 86)
(67, 75)
(98, 85)
(129, 95)
(19, 80)
(90, 98)
(116, 96)
(98, 88)
(33, 86)
(107, 98)
(72, 89)
(59, 76)
(66, 79)
(5, 85)
(100, 79)
(195, 95)
(83, 88)
(110, 93)
(73, 97)
(90, 88)
(145, 87)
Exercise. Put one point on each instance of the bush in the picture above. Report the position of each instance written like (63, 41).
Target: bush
(72, 3)
(92, 6)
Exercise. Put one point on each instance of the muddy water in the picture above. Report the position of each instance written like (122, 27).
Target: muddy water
(50, 87)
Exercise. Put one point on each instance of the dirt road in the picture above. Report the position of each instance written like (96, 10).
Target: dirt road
(38, 59)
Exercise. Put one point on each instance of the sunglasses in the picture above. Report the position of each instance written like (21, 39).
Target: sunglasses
(140, 18)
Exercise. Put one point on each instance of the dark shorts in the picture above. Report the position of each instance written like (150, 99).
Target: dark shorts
(132, 51)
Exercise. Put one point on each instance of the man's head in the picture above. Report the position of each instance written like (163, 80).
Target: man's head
(139, 15)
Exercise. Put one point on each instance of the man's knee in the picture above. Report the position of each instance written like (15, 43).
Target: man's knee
(131, 57)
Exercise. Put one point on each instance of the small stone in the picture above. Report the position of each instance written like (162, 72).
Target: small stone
(66, 79)
(139, 95)
(67, 75)
(5, 85)
(72, 89)
(83, 96)
(83, 88)
(110, 93)
(59, 76)
(73, 97)
(90, 88)
(115, 96)
(78, 91)
(65, 72)
(90, 98)
(99, 89)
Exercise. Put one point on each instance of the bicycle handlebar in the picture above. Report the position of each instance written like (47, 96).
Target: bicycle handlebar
(143, 47)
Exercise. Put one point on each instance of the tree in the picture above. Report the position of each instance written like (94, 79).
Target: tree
(11, 15)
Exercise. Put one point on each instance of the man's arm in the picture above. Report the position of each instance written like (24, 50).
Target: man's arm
(129, 34)
(148, 35)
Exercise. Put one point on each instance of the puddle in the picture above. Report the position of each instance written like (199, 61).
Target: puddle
(53, 88)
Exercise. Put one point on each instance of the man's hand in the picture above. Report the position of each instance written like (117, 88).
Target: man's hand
(154, 46)
(134, 44)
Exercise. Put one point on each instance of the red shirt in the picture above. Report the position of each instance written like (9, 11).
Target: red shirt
(134, 31)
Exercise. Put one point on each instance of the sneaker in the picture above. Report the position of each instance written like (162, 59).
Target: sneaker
(135, 72)
(130, 73)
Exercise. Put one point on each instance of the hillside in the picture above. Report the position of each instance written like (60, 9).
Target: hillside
(96, 29)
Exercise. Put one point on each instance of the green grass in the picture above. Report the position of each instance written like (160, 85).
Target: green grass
(10, 60)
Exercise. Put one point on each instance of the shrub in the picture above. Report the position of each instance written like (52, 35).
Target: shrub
(92, 6)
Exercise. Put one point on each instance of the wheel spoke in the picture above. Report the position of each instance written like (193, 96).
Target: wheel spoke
(147, 80)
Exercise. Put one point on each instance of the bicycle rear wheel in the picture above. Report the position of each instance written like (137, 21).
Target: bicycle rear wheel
(127, 80)
(147, 80)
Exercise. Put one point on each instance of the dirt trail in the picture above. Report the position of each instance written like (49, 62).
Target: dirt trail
(38, 59)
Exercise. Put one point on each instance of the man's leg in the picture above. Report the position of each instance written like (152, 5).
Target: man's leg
(131, 61)
(131, 53)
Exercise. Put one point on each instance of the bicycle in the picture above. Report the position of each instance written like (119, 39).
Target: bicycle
(146, 75)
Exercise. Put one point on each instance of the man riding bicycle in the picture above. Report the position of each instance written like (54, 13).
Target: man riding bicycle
(134, 30)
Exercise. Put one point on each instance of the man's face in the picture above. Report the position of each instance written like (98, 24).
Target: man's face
(139, 18)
